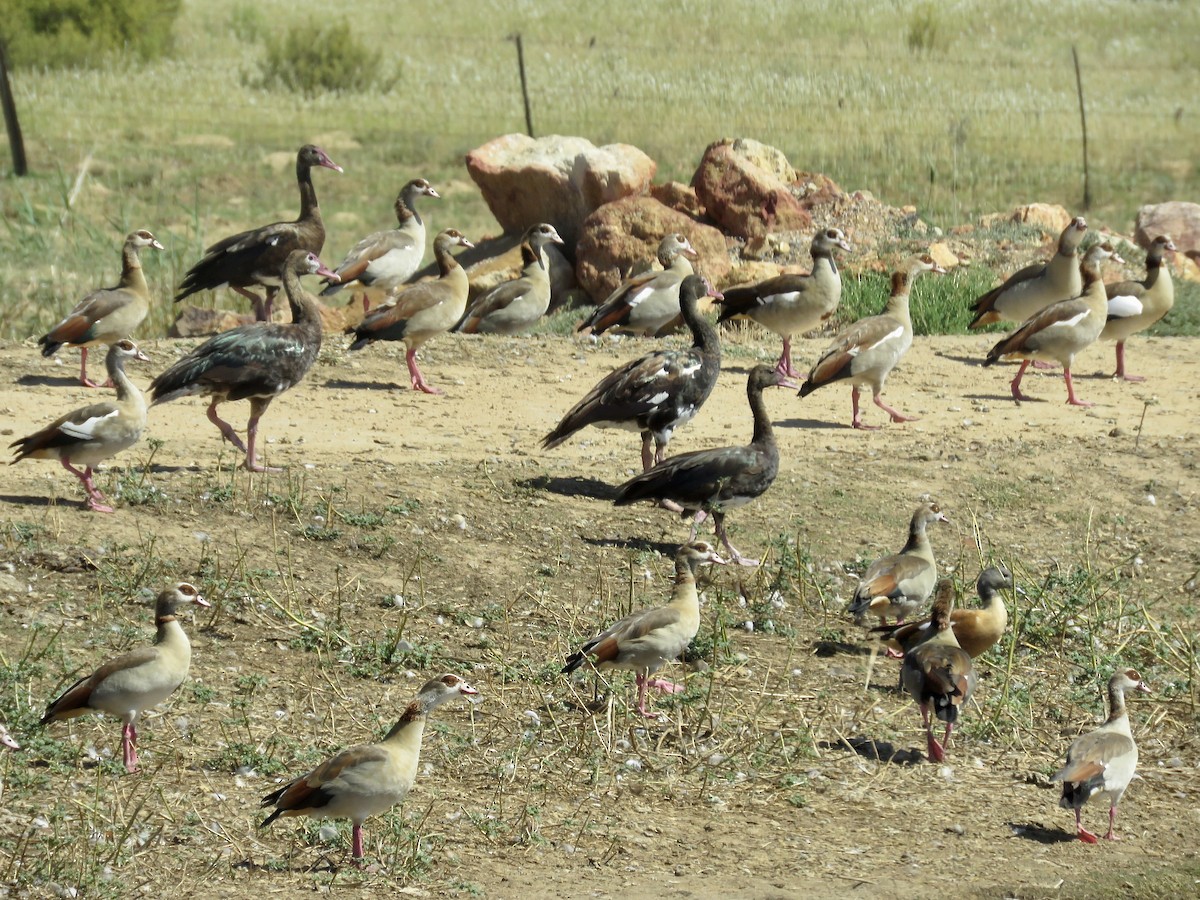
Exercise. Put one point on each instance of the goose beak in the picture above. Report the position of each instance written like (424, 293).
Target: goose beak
(325, 272)
(467, 689)
(200, 601)
(1142, 687)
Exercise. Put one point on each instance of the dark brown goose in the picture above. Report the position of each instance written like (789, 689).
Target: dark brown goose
(515, 306)
(137, 680)
(422, 311)
(109, 314)
(386, 259)
(715, 481)
(93, 433)
(658, 392)
(255, 362)
(1134, 306)
(255, 258)
(646, 304)
(793, 304)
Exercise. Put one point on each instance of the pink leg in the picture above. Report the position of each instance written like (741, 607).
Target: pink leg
(667, 687)
(129, 748)
(95, 500)
(719, 524)
(896, 417)
(261, 313)
(414, 373)
(1015, 387)
(936, 753)
(251, 464)
(83, 379)
(856, 421)
(641, 697)
(226, 428)
(356, 841)
(1120, 373)
(1112, 824)
(701, 515)
(1071, 398)
(893, 653)
(647, 451)
(784, 366)
(1084, 835)
(946, 736)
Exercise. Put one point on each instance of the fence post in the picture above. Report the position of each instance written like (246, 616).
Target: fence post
(15, 141)
(516, 38)
(1087, 181)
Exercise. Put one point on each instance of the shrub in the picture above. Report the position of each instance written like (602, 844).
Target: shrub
(312, 59)
(65, 33)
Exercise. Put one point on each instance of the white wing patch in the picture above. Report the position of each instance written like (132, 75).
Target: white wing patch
(894, 333)
(1123, 306)
(86, 430)
(658, 398)
(1067, 323)
(641, 295)
(789, 297)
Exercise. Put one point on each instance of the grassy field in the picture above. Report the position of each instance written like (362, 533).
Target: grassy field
(957, 110)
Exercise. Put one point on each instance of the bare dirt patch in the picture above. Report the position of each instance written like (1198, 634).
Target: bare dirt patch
(411, 535)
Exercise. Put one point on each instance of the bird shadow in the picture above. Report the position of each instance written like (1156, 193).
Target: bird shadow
(573, 486)
(49, 381)
(1001, 398)
(365, 385)
(35, 501)
(961, 358)
(1031, 831)
(871, 748)
(808, 424)
(838, 648)
(662, 548)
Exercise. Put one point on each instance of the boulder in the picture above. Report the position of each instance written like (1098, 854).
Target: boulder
(1179, 219)
(679, 197)
(746, 187)
(560, 180)
(1049, 217)
(620, 236)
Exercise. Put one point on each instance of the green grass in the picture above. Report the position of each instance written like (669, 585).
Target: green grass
(958, 111)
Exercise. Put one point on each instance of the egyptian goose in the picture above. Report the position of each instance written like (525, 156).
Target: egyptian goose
(867, 351)
(1062, 329)
(940, 672)
(1033, 288)
(422, 311)
(255, 362)
(648, 639)
(515, 306)
(1134, 306)
(7, 740)
(1102, 762)
(137, 680)
(976, 630)
(899, 585)
(256, 257)
(91, 434)
(368, 779)
(646, 304)
(109, 314)
(386, 259)
(793, 304)
(716, 481)
(658, 392)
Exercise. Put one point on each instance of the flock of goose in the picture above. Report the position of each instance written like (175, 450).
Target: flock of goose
(1063, 305)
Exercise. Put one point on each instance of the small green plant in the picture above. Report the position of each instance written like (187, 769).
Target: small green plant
(311, 59)
(923, 31)
(247, 23)
(70, 34)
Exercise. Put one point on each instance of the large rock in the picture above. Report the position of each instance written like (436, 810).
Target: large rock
(746, 187)
(560, 180)
(1049, 217)
(1179, 219)
(621, 237)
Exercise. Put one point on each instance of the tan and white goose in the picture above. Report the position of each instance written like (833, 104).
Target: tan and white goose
(1134, 306)
(866, 352)
(898, 585)
(7, 740)
(648, 639)
(91, 434)
(1102, 762)
(976, 630)
(1061, 330)
(1036, 286)
(939, 673)
(109, 314)
(793, 304)
(386, 259)
(368, 779)
(421, 312)
(134, 682)
(647, 304)
(516, 306)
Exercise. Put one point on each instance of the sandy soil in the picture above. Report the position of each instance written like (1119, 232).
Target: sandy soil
(506, 554)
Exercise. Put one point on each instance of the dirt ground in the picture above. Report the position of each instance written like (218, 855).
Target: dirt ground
(762, 781)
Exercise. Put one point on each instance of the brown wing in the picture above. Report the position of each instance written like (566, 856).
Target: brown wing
(312, 791)
(1050, 316)
(74, 428)
(615, 309)
(90, 310)
(836, 362)
(500, 297)
(1090, 755)
(985, 306)
(75, 699)
(370, 249)
(740, 301)
(605, 646)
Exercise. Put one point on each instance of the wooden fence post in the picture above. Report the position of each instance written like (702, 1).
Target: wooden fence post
(524, 82)
(15, 141)
(1087, 180)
